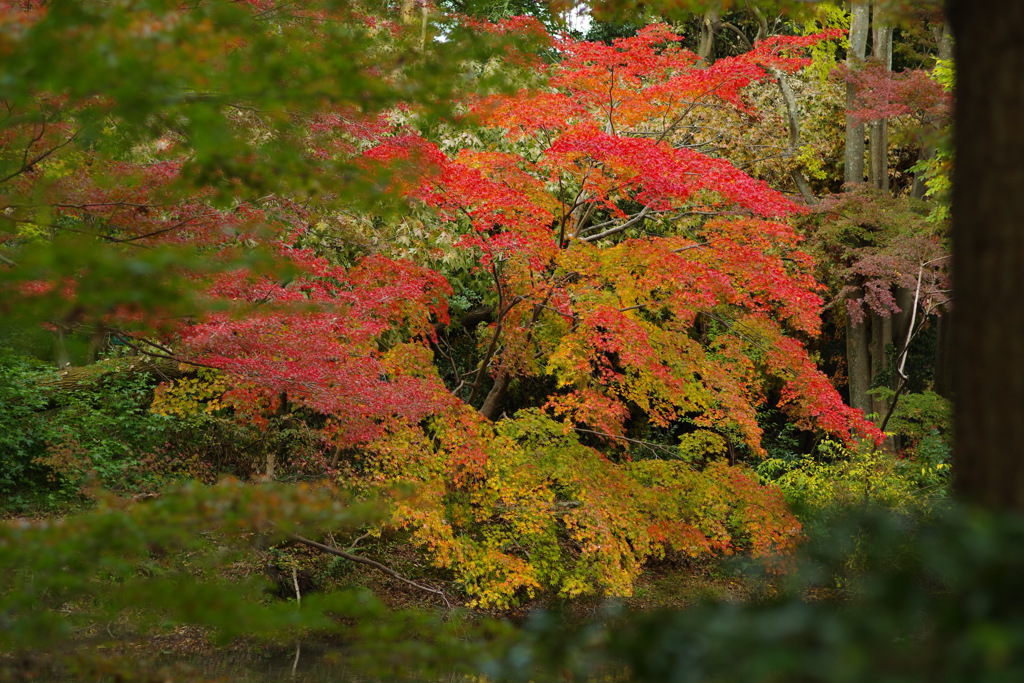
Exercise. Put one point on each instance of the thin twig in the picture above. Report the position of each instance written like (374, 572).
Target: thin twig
(295, 582)
(371, 563)
(649, 444)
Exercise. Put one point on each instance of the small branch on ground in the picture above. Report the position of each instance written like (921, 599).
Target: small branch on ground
(372, 563)
(295, 582)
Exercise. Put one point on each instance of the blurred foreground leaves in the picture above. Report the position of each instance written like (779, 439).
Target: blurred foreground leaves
(883, 597)
(162, 561)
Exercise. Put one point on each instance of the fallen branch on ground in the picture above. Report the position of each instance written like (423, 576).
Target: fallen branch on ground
(372, 563)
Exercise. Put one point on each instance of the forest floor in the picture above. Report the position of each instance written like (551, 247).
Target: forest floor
(173, 651)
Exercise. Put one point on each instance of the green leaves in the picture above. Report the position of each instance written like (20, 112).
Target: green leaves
(21, 435)
(152, 124)
(94, 562)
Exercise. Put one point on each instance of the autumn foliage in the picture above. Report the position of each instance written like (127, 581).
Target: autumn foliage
(648, 286)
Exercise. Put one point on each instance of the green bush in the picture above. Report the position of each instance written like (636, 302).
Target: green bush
(923, 423)
(935, 599)
(22, 430)
(837, 478)
(57, 443)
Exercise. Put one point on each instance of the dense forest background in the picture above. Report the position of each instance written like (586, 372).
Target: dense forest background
(487, 311)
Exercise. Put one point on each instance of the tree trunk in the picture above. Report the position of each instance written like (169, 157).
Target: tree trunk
(408, 11)
(60, 348)
(944, 48)
(854, 157)
(881, 50)
(901, 320)
(988, 252)
(857, 352)
(943, 382)
(799, 179)
(72, 378)
(491, 409)
(944, 39)
(708, 30)
(858, 363)
(881, 342)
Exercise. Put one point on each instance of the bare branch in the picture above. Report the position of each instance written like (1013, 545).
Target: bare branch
(636, 218)
(649, 444)
(370, 563)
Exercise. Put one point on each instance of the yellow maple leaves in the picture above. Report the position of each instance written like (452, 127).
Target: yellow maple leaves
(191, 396)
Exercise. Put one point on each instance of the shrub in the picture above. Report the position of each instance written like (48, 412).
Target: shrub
(521, 507)
(836, 479)
(22, 430)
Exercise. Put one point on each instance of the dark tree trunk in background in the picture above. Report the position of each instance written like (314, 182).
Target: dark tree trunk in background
(988, 252)
(881, 342)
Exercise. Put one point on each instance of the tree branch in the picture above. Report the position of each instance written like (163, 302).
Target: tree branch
(636, 218)
(27, 165)
(794, 135)
(368, 562)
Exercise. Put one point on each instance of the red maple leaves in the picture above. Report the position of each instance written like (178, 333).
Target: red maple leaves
(686, 320)
(317, 340)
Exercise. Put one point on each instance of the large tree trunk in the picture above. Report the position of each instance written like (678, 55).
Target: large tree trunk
(881, 327)
(857, 347)
(988, 252)
(854, 157)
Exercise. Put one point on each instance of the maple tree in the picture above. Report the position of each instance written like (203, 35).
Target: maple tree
(652, 283)
(654, 287)
(592, 224)
(152, 133)
(511, 506)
